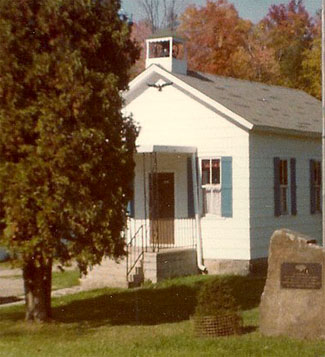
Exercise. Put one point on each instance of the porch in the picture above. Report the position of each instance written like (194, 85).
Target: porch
(150, 256)
(163, 234)
(164, 212)
(163, 208)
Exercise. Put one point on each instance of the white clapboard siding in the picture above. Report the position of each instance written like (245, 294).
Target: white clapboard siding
(187, 122)
(263, 148)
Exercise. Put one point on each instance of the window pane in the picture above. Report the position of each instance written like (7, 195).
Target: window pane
(283, 172)
(320, 173)
(318, 205)
(318, 176)
(283, 200)
(159, 49)
(205, 172)
(178, 50)
(212, 201)
(215, 171)
(317, 183)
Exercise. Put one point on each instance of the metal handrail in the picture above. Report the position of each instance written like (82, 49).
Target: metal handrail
(135, 235)
(132, 259)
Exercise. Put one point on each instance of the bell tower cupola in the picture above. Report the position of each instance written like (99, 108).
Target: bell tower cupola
(167, 50)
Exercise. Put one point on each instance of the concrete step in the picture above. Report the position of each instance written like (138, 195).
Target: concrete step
(136, 280)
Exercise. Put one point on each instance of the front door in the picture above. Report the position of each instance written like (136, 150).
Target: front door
(162, 208)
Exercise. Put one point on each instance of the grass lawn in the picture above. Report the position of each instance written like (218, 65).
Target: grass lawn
(65, 279)
(151, 321)
(5, 265)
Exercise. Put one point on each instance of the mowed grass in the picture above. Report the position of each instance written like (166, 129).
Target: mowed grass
(151, 321)
(65, 279)
(5, 265)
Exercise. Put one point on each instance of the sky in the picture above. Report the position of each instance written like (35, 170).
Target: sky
(253, 10)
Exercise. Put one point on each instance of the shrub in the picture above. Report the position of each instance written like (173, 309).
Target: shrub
(215, 298)
(216, 311)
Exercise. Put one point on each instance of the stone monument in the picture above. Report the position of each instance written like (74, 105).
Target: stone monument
(293, 301)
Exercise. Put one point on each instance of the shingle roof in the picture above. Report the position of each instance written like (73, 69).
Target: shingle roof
(263, 105)
(165, 33)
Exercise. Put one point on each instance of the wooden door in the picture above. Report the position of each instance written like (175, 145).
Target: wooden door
(162, 208)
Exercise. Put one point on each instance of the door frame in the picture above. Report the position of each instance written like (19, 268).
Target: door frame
(160, 223)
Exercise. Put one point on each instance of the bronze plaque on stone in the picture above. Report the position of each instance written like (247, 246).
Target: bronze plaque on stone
(301, 275)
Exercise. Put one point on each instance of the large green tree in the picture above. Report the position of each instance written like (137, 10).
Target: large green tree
(66, 151)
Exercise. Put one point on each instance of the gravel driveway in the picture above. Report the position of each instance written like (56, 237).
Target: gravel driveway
(12, 287)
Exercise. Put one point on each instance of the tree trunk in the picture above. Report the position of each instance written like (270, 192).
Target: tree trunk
(38, 284)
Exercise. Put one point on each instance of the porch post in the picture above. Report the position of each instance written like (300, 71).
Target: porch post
(145, 200)
(197, 214)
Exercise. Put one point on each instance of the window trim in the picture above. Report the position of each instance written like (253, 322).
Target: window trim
(280, 186)
(210, 185)
(210, 178)
(284, 186)
(316, 189)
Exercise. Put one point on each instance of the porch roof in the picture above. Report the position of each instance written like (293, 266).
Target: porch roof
(143, 149)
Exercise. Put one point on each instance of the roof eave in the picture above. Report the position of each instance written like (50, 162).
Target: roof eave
(166, 149)
(283, 131)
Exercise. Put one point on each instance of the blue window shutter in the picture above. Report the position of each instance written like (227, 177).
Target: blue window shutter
(293, 186)
(4, 255)
(190, 198)
(199, 185)
(226, 188)
(277, 208)
(130, 207)
(312, 186)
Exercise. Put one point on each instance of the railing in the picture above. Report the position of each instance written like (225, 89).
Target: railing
(143, 239)
(185, 235)
(135, 251)
(162, 233)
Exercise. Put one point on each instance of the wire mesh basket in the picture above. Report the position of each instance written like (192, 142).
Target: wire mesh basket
(221, 325)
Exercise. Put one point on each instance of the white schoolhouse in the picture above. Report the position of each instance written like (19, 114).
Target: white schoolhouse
(221, 163)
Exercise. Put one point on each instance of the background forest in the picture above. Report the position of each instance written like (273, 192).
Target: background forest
(284, 48)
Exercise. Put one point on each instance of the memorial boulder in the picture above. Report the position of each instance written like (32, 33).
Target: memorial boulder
(293, 301)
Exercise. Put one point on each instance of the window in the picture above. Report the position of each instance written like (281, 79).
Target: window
(317, 182)
(216, 179)
(211, 186)
(178, 50)
(283, 186)
(315, 186)
(159, 49)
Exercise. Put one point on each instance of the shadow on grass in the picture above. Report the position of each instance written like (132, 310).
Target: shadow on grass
(248, 329)
(170, 301)
(9, 299)
(137, 307)
(153, 305)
